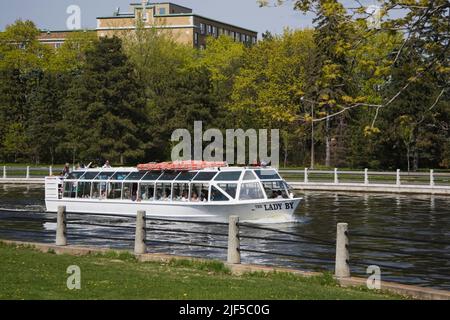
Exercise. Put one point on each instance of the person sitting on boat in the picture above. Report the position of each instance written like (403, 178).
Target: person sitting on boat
(106, 165)
(166, 195)
(184, 196)
(204, 196)
(279, 194)
(194, 197)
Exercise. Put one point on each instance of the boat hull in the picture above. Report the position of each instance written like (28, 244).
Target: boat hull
(248, 210)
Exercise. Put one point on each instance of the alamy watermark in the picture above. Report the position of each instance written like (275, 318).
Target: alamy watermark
(73, 22)
(374, 280)
(234, 151)
(374, 17)
(74, 280)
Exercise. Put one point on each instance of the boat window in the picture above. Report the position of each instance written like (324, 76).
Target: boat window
(267, 174)
(129, 191)
(120, 175)
(199, 192)
(217, 195)
(228, 176)
(84, 190)
(147, 191)
(104, 175)
(98, 190)
(205, 176)
(249, 175)
(136, 176)
(152, 176)
(229, 188)
(115, 190)
(169, 175)
(89, 175)
(251, 191)
(186, 175)
(180, 192)
(70, 190)
(275, 189)
(75, 175)
(163, 191)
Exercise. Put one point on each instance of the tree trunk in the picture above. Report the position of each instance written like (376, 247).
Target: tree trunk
(121, 159)
(408, 156)
(327, 143)
(415, 160)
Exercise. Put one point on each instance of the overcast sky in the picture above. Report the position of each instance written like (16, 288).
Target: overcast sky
(51, 14)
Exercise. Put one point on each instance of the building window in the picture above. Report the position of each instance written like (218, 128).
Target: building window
(58, 45)
(196, 38)
(202, 47)
(214, 31)
(237, 36)
(162, 11)
(209, 29)
(202, 28)
(255, 40)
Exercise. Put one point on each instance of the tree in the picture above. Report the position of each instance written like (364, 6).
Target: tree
(14, 140)
(71, 56)
(105, 111)
(269, 87)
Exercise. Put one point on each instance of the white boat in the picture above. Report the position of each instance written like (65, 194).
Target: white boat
(175, 190)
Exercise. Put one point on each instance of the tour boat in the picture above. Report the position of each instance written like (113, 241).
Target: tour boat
(185, 189)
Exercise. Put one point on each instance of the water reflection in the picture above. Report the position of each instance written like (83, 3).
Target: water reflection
(403, 216)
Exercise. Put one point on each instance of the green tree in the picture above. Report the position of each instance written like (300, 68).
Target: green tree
(105, 112)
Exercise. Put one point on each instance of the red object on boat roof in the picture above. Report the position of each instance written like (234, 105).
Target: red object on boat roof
(181, 165)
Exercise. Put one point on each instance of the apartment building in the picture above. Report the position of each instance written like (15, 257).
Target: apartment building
(180, 22)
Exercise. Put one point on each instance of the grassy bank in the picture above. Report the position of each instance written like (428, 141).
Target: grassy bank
(29, 274)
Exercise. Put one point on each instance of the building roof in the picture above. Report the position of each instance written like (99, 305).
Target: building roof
(181, 15)
(132, 15)
(150, 4)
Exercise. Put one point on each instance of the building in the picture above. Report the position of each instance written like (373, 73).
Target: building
(182, 24)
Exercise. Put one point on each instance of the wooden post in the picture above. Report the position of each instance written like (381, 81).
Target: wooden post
(61, 227)
(140, 235)
(398, 178)
(366, 176)
(50, 171)
(306, 175)
(342, 267)
(4, 172)
(431, 178)
(234, 254)
(28, 172)
(336, 179)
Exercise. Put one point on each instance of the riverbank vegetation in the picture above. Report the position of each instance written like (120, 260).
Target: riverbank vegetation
(377, 98)
(40, 275)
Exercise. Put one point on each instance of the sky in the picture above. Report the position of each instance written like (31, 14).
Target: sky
(51, 14)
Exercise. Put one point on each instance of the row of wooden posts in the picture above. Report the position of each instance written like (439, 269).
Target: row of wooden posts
(342, 267)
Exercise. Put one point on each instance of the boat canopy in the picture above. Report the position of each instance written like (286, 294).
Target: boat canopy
(181, 165)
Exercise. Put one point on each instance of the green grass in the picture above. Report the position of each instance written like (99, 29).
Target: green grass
(29, 274)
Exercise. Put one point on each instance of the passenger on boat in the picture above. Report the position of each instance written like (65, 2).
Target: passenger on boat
(166, 195)
(194, 197)
(106, 165)
(204, 196)
(184, 197)
(66, 170)
(279, 194)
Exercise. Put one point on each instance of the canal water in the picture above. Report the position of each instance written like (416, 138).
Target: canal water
(311, 233)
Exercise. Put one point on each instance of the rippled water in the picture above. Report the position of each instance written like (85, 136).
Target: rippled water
(401, 216)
